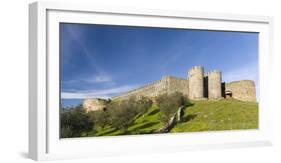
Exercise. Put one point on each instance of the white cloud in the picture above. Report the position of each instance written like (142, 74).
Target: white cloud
(99, 79)
(104, 93)
(93, 79)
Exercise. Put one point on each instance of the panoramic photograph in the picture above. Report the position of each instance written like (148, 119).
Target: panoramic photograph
(129, 80)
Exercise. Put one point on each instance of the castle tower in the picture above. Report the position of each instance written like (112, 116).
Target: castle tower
(214, 85)
(196, 82)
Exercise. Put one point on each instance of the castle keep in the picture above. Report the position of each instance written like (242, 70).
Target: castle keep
(197, 86)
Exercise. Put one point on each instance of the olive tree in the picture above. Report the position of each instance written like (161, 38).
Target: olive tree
(101, 118)
(140, 104)
(169, 103)
(121, 114)
(74, 121)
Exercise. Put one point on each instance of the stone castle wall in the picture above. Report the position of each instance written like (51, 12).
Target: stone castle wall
(198, 86)
(175, 84)
(243, 90)
(167, 84)
(150, 90)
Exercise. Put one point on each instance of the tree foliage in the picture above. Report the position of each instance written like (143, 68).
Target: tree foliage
(140, 104)
(122, 113)
(169, 103)
(74, 121)
(101, 118)
(118, 114)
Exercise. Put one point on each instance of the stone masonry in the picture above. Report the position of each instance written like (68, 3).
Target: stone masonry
(197, 86)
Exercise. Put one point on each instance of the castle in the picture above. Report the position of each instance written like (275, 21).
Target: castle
(197, 86)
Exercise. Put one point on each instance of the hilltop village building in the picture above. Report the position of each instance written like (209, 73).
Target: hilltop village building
(197, 86)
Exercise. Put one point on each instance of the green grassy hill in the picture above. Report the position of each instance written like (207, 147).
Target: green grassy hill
(219, 115)
(200, 116)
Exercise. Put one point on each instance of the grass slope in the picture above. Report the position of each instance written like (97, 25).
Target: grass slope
(219, 115)
(143, 124)
(200, 116)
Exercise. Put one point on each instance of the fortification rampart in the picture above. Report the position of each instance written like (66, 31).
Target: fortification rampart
(208, 85)
(243, 90)
(167, 84)
(197, 86)
(175, 84)
(148, 90)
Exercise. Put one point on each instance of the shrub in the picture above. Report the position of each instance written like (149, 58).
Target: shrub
(120, 115)
(101, 118)
(66, 132)
(143, 104)
(123, 113)
(74, 122)
(169, 103)
(140, 105)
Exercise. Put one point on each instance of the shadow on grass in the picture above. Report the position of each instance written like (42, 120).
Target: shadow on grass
(153, 112)
(107, 132)
(149, 124)
(188, 117)
(143, 132)
(188, 105)
(137, 116)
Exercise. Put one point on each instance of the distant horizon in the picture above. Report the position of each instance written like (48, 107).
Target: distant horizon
(101, 61)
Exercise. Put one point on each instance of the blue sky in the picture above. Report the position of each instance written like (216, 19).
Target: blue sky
(103, 61)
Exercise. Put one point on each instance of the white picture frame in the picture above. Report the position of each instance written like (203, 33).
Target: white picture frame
(44, 141)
